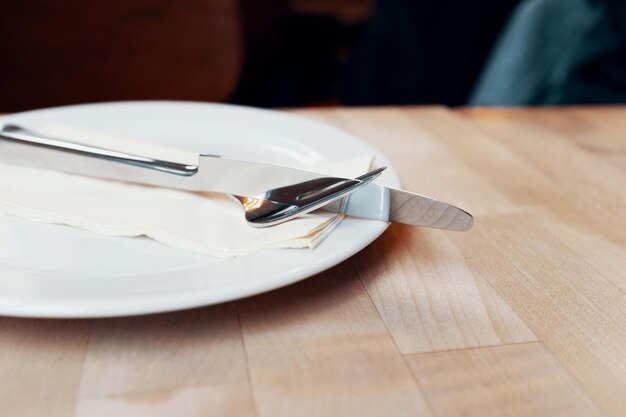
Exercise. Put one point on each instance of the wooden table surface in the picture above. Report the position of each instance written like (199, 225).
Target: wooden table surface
(523, 316)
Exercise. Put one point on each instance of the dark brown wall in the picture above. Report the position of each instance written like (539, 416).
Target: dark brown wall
(55, 52)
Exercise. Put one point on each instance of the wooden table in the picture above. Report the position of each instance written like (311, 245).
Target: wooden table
(523, 316)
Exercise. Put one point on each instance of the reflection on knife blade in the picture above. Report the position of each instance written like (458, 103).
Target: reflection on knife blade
(377, 202)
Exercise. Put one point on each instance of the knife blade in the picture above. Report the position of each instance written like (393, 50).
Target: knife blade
(377, 202)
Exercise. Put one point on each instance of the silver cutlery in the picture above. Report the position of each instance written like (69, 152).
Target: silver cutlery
(271, 207)
(270, 194)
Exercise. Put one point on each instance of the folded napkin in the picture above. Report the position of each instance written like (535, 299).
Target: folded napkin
(208, 223)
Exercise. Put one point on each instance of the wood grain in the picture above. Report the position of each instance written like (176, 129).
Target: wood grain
(40, 365)
(524, 315)
(597, 130)
(515, 380)
(578, 173)
(571, 308)
(174, 360)
(185, 346)
(558, 293)
(320, 348)
(578, 219)
(214, 400)
(429, 298)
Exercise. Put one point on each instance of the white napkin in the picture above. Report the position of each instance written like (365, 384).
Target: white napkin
(208, 223)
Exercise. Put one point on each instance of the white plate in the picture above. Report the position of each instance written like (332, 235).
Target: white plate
(58, 271)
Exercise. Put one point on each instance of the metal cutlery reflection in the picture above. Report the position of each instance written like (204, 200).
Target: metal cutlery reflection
(269, 194)
(281, 204)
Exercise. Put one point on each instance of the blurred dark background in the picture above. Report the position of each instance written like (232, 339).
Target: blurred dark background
(284, 53)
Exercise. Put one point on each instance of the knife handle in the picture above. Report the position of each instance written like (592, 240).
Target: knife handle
(19, 135)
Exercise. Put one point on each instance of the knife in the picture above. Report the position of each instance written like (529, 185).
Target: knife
(388, 204)
(222, 174)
